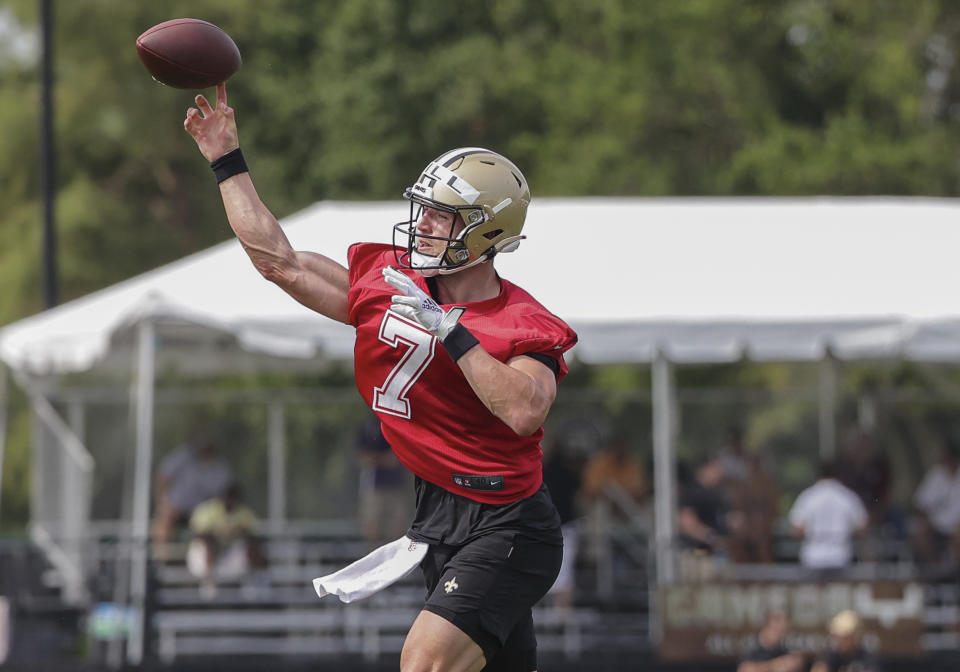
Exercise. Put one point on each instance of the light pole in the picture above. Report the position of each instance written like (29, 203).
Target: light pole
(47, 161)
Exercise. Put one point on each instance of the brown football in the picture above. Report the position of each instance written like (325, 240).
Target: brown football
(188, 53)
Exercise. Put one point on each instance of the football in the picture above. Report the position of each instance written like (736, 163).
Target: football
(188, 53)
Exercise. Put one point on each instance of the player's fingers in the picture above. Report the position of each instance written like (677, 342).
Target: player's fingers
(395, 284)
(222, 94)
(203, 105)
(405, 311)
(395, 281)
(192, 114)
(400, 299)
(398, 280)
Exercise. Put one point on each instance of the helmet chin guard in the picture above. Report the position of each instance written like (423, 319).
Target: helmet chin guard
(482, 190)
(428, 267)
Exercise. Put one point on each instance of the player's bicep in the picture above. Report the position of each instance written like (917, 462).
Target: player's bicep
(321, 284)
(545, 380)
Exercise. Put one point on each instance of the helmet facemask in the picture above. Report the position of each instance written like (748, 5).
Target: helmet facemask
(453, 257)
(487, 196)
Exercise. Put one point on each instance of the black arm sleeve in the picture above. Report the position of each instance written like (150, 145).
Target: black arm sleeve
(548, 361)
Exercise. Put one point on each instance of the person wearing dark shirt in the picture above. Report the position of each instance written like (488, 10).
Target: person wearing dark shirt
(705, 523)
(867, 471)
(703, 509)
(846, 653)
(562, 469)
(770, 653)
(386, 488)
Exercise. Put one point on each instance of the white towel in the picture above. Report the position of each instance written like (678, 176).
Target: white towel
(374, 571)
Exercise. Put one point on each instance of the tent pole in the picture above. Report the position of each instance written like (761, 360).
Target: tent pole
(146, 363)
(276, 467)
(664, 465)
(3, 424)
(74, 502)
(827, 403)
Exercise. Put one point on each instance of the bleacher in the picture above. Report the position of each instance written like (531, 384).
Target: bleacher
(276, 612)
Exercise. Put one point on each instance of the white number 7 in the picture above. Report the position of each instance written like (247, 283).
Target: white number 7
(395, 331)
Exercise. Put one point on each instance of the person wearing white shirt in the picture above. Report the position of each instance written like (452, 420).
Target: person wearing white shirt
(937, 500)
(826, 517)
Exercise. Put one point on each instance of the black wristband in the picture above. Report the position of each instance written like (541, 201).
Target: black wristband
(458, 341)
(228, 165)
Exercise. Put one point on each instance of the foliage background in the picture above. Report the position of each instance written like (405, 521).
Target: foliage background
(347, 99)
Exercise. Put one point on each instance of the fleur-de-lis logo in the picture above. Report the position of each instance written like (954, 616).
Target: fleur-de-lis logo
(451, 585)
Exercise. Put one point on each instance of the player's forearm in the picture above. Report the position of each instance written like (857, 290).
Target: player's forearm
(314, 280)
(257, 229)
(512, 395)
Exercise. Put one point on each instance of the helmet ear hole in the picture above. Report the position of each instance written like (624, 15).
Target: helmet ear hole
(490, 235)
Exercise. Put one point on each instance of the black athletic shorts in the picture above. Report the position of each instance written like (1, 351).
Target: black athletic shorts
(487, 566)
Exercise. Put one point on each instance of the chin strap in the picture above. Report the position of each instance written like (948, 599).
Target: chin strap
(426, 266)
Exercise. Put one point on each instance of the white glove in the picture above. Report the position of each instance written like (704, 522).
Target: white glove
(415, 304)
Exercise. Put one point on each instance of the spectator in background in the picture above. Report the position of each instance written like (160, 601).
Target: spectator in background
(704, 519)
(937, 500)
(733, 457)
(703, 508)
(562, 469)
(756, 502)
(770, 654)
(191, 474)
(866, 471)
(224, 544)
(615, 468)
(846, 652)
(826, 517)
(615, 487)
(386, 487)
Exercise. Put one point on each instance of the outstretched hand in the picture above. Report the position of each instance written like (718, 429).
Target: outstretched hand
(214, 130)
(415, 304)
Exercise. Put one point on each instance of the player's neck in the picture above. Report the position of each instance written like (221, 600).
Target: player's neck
(477, 283)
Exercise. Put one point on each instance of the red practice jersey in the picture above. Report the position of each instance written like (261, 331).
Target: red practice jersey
(434, 421)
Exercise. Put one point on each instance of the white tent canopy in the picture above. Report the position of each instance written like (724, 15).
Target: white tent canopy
(695, 279)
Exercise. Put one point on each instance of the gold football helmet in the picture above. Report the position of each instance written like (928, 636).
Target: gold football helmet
(479, 187)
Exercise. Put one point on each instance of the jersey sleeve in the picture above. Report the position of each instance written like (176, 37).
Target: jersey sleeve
(364, 263)
(362, 258)
(549, 336)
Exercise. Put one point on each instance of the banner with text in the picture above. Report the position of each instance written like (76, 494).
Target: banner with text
(700, 621)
